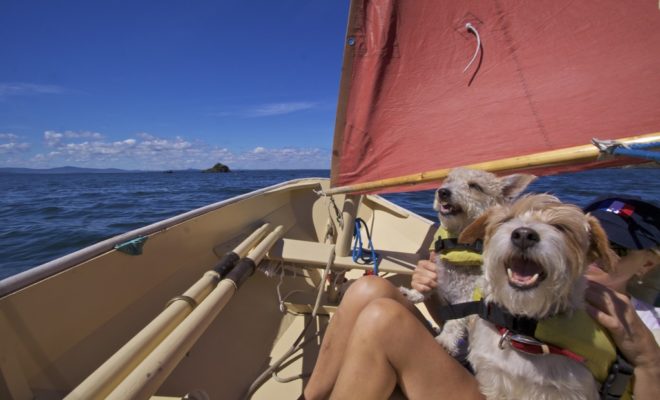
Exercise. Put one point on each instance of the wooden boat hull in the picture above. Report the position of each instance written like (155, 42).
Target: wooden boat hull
(61, 321)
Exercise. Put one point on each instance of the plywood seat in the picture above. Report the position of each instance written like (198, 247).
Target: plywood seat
(316, 254)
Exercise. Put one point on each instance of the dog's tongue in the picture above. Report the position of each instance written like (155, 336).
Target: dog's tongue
(449, 209)
(524, 273)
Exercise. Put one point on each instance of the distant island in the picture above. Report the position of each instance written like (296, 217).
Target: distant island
(219, 167)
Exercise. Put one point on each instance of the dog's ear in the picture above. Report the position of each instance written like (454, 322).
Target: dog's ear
(476, 230)
(599, 249)
(514, 184)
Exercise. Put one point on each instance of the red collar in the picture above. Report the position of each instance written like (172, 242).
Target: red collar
(530, 345)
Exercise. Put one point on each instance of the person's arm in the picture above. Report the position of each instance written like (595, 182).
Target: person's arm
(425, 280)
(615, 312)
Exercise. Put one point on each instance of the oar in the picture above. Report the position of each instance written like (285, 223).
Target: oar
(147, 377)
(102, 381)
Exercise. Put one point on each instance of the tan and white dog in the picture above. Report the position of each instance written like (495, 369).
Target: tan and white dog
(535, 255)
(463, 196)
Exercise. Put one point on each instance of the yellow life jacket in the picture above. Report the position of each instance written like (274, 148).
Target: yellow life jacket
(463, 257)
(580, 334)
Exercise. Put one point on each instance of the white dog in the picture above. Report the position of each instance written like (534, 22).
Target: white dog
(535, 254)
(463, 196)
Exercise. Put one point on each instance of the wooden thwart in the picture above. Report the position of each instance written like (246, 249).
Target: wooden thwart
(316, 255)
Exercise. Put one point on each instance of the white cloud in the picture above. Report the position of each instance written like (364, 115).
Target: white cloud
(268, 110)
(13, 147)
(53, 138)
(11, 144)
(20, 89)
(151, 152)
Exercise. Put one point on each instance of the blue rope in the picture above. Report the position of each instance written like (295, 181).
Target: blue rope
(641, 146)
(358, 252)
(638, 150)
(651, 155)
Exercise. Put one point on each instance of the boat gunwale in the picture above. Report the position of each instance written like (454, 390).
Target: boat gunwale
(43, 271)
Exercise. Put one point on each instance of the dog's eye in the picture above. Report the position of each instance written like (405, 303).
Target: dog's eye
(560, 228)
(475, 186)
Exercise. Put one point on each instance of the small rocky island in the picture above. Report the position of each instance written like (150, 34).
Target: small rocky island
(219, 167)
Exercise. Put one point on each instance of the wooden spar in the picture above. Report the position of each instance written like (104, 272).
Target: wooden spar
(349, 212)
(568, 155)
(150, 374)
(102, 381)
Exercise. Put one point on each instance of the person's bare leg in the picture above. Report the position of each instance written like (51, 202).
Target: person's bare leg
(331, 354)
(389, 345)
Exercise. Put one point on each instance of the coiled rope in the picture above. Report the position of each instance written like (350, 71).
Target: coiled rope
(360, 254)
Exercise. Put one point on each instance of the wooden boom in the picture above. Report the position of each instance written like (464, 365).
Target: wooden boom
(575, 154)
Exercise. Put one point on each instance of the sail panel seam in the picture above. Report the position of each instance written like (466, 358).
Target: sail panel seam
(521, 77)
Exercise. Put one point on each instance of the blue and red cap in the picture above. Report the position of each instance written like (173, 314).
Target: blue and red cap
(629, 222)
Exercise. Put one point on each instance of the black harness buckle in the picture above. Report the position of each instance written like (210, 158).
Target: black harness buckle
(617, 380)
(452, 244)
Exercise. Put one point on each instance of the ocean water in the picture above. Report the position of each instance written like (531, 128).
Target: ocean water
(43, 217)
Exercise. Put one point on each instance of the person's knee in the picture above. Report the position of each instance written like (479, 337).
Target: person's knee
(381, 315)
(369, 288)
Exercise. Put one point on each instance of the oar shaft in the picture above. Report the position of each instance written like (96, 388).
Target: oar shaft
(246, 245)
(259, 251)
(147, 377)
(230, 259)
(102, 381)
(107, 376)
(150, 374)
(246, 267)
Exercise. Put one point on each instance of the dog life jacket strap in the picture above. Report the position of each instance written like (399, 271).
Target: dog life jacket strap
(517, 330)
(492, 313)
(618, 379)
(530, 345)
(452, 244)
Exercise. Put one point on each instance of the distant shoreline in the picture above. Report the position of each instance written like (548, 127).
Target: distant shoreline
(79, 170)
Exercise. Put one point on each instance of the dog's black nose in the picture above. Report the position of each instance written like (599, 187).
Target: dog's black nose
(524, 237)
(444, 194)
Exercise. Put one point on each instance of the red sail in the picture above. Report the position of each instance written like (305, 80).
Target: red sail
(549, 75)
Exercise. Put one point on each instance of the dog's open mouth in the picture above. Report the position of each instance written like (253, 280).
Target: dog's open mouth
(449, 209)
(524, 273)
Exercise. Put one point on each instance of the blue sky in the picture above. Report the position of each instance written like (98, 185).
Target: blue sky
(169, 84)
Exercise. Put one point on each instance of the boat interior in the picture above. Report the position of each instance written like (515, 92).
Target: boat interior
(111, 323)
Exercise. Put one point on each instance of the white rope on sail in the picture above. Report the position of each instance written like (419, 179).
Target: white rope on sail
(472, 29)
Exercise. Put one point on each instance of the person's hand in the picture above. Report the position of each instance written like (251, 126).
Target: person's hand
(616, 313)
(425, 277)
